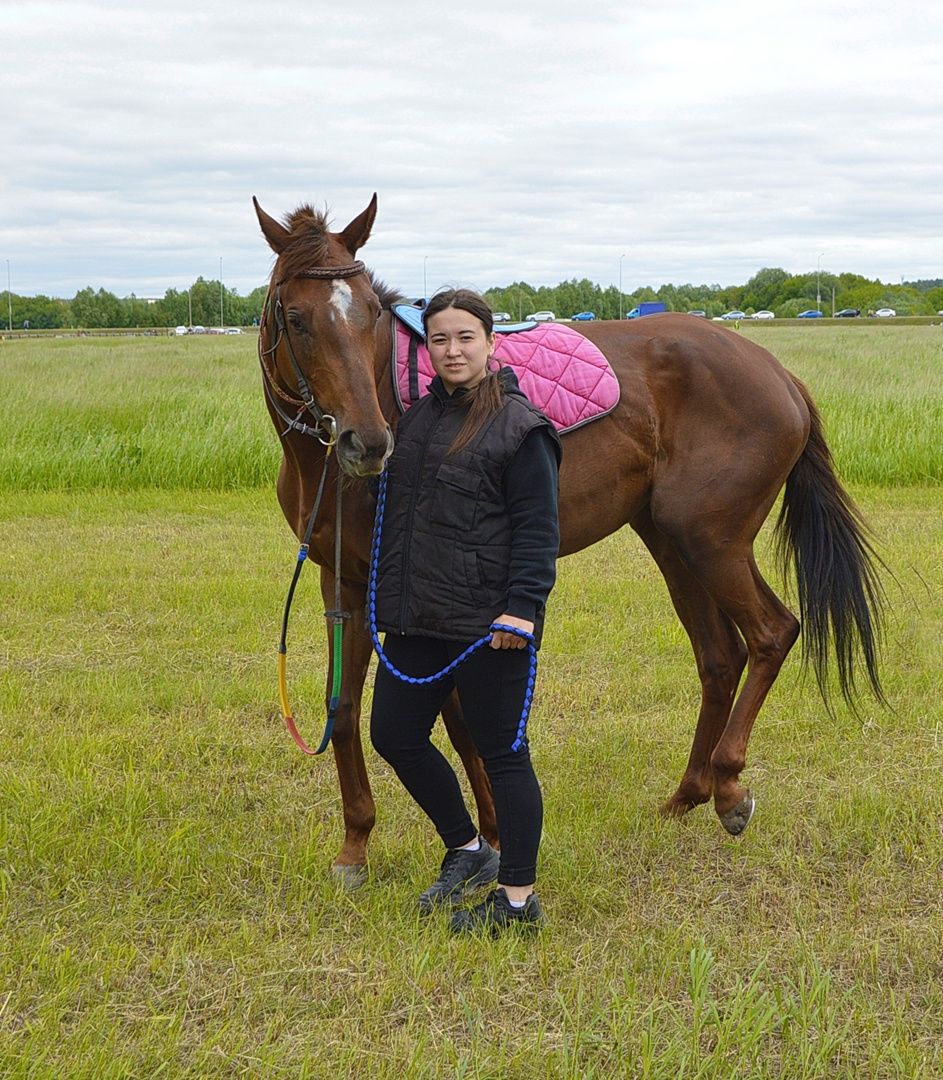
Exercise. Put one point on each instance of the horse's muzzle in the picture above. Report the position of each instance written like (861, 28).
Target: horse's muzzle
(358, 457)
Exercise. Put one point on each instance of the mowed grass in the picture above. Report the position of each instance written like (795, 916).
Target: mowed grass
(166, 906)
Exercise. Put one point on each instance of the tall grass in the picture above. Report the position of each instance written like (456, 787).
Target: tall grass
(132, 413)
(880, 391)
(128, 414)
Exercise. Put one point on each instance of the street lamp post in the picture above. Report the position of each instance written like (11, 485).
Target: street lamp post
(190, 307)
(425, 290)
(9, 299)
(220, 292)
(818, 282)
(621, 257)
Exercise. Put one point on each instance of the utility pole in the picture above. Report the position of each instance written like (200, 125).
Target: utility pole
(220, 292)
(9, 300)
(621, 257)
(818, 282)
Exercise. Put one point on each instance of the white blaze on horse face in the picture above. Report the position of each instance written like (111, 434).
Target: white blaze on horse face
(341, 298)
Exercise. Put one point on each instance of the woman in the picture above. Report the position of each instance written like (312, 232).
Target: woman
(469, 538)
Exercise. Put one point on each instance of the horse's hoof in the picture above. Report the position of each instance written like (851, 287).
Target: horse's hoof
(350, 878)
(736, 820)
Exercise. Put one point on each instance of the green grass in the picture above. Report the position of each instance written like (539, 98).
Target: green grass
(164, 890)
(143, 413)
(166, 907)
(880, 391)
(134, 413)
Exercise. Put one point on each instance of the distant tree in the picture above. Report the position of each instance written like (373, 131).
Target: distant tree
(764, 288)
(93, 310)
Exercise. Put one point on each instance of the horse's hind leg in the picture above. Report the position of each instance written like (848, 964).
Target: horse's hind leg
(474, 768)
(769, 630)
(720, 656)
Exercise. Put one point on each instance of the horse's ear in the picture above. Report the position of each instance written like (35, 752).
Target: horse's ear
(357, 232)
(277, 235)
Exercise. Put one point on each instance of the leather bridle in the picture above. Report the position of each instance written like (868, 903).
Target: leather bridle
(325, 426)
(325, 431)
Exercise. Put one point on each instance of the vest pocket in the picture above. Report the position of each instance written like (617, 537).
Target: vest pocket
(455, 498)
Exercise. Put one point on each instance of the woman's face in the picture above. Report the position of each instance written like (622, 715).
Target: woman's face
(458, 347)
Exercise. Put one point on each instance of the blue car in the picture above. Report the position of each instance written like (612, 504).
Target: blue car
(584, 316)
(809, 315)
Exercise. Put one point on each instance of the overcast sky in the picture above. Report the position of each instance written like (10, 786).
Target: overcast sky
(680, 140)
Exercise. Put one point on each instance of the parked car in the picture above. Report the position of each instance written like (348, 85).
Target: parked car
(501, 316)
(764, 314)
(541, 316)
(810, 314)
(848, 313)
(181, 331)
(233, 330)
(732, 316)
(700, 314)
(583, 316)
(885, 313)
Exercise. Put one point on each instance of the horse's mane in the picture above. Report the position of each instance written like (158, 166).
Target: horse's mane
(386, 294)
(309, 247)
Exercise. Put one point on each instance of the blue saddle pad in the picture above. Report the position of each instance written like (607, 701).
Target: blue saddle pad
(411, 316)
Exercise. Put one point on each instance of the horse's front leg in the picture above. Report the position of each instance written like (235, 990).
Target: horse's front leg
(474, 768)
(350, 866)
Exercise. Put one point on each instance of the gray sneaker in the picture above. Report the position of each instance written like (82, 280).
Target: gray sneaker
(496, 913)
(461, 872)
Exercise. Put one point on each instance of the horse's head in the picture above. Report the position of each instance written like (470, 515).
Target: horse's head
(321, 318)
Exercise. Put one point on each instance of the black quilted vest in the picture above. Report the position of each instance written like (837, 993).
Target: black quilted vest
(446, 540)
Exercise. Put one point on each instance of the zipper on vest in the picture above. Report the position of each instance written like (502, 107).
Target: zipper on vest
(417, 488)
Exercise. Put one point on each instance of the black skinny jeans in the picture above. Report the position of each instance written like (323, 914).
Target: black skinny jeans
(491, 685)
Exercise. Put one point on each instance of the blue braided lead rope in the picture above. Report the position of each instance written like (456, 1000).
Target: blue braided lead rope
(520, 741)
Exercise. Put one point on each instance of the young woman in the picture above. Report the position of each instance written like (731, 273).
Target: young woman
(469, 539)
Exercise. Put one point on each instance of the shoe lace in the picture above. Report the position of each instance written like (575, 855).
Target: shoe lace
(453, 867)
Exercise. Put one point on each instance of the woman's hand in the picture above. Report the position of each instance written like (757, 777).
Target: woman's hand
(502, 639)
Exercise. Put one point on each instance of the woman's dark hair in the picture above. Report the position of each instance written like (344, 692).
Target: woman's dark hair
(463, 299)
(485, 399)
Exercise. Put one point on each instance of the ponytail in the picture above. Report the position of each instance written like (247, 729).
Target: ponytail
(481, 402)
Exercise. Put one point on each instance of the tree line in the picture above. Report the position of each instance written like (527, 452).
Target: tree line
(207, 303)
(771, 289)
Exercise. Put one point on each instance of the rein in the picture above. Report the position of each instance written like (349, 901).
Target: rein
(325, 431)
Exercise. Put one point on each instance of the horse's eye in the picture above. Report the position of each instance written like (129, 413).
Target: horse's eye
(296, 321)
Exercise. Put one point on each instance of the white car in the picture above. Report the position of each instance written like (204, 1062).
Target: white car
(764, 315)
(541, 316)
(885, 313)
(181, 331)
(501, 316)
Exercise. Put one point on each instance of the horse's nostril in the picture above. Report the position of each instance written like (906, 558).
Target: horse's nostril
(361, 457)
(351, 446)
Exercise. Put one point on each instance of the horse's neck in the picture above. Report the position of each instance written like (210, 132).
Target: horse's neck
(383, 360)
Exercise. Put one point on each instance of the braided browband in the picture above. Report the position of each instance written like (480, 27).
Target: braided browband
(325, 272)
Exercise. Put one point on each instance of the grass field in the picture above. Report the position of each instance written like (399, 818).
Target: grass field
(165, 903)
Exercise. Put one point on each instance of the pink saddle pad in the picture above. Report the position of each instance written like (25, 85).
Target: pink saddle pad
(560, 371)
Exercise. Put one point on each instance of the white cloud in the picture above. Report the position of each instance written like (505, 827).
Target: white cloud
(541, 143)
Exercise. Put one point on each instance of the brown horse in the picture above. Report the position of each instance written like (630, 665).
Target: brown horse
(708, 431)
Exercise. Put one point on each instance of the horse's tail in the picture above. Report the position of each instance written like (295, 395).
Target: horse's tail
(840, 594)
